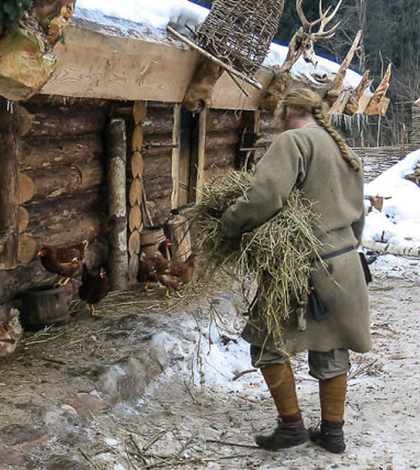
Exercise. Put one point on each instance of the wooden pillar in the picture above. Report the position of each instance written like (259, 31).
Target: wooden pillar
(176, 158)
(250, 130)
(9, 189)
(117, 156)
(201, 154)
(136, 190)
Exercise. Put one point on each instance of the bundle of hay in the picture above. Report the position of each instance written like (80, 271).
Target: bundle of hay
(279, 253)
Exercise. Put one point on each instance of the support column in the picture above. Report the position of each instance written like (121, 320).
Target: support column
(117, 156)
(9, 189)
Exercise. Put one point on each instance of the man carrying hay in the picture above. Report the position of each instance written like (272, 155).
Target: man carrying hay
(312, 157)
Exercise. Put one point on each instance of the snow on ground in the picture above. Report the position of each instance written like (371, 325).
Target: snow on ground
(399, 221)
(152, 18)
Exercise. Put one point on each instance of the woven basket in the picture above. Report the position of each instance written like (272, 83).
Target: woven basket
(239, 32)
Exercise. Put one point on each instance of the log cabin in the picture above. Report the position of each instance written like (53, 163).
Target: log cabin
(104, 147)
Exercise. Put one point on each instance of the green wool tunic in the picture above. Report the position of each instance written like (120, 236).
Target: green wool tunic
(309, 159)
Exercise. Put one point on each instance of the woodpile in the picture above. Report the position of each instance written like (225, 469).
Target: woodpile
(60, 176)
(415, 126)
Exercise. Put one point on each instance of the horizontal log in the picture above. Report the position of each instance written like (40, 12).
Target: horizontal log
(223, 120)
(135, 193)
(55, 210)
(137, 139)
(23, 216)
(24, 66)
(222, 158)
(26, 187)
(222, 139)
(134, 218)
(156, 165)
(137, 164)
(139, 112)
(268, 121)
(164, 151)
(159, 120)
(27, 248)
(43, 153)
(60, 180)
(160, 209)
(134, 242)
(71, 232)
(54, 121)
(393, 249)
(158, 188)
(32, 275)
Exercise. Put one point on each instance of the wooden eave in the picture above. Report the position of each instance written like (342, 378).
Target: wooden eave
(93, 64)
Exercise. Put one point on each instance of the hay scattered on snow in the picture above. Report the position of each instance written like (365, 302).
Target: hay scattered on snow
(279, 253)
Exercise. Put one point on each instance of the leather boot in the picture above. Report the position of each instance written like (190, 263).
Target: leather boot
(330, 435)
(290, 430)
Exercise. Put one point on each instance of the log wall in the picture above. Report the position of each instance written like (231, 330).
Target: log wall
(157, 161)
(268, 131)
(223, 136)
(61, 185)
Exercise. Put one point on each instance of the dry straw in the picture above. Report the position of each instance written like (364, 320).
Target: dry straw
(279, 253)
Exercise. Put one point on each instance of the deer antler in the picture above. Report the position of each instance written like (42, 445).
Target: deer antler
(323, 20)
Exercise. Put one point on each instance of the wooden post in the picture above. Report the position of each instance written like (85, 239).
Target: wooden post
(176, 156)
(250, 130)
(136, 190)
(201, 154)
(117, 156)
(9, 190)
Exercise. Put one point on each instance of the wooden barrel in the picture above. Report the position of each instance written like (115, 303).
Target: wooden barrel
(150, 239)
(44, 306)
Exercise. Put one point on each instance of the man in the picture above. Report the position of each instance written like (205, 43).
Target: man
(311, 155)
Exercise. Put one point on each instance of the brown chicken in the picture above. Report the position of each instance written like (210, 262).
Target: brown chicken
(178, 274)
(10, 333)
(95, 286)
(66, 262)
(151, 268)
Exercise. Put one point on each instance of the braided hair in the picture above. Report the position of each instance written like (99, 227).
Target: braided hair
(304, 101)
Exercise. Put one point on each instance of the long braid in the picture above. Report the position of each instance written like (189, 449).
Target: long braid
(325, 123)
(304, 101)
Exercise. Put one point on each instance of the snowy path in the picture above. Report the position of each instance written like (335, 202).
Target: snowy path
(382, 412)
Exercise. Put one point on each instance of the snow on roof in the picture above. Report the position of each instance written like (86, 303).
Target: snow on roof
(148, 19)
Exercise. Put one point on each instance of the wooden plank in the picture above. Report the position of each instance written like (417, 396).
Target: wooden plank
(176, 155)
(201, 154)
(9, 190)
(95, 65)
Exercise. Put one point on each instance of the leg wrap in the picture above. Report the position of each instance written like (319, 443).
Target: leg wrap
(281, 383)
(333, 397)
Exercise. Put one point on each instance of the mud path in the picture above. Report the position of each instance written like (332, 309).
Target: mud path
(149, 385)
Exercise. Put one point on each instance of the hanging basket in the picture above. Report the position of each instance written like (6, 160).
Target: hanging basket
(239, 32)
